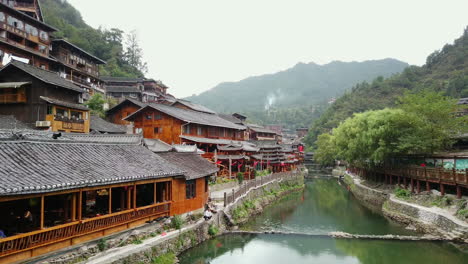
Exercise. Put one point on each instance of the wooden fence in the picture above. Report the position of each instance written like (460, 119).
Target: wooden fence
(258, 181)
(59, 233)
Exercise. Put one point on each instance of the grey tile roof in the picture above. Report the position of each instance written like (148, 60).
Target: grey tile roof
(157, 145)
(193, 164)
(103, 126)
(463, 101)
(40, 167)
(10, 122)
(232, 157)
(191, 116)
(44, 75)
(65, 104)
(211, 140)
(195, 107)
(127, 100)
(122, 79)
(121, 89)
(261, 129)
(245, 146)
(231, 118)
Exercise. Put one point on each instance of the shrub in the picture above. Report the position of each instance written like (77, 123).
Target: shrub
(137, 241)
(240, 177)
(402, 193)
(102, 244)
(167, 258)
(463, 214)
(213, 230)
(249, 204)
(177, 222)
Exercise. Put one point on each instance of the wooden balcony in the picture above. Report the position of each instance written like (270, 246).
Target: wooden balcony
(56, 234)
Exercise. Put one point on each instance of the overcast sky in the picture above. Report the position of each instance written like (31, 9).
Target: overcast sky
(194, 45)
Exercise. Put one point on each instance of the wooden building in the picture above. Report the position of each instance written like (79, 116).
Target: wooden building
(42, 99)
(270, 156)
(31, 8)
(74, 188)
(77, 65)
(235, 158)
(140, 89)
(302, 132)
(118, 113)
(175, 125)
(258, 133)
(23, 37)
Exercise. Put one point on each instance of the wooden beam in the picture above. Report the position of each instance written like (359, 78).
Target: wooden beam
(73, 209)
(154, 193)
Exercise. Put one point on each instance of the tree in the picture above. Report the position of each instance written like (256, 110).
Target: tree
(133, 53)
(325, 154)
(437, 116)
(96, 104)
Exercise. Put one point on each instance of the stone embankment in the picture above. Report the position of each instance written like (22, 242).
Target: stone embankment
(344, 235)
(144, 244)
(428, 220)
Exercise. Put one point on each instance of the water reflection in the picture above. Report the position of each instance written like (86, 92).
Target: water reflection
(322, 207)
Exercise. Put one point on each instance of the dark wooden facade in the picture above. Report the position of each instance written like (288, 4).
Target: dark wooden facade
(24, 37)
(29, 107)
(125, 108)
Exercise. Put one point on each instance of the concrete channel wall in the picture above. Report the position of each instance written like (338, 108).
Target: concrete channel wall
(428, 220)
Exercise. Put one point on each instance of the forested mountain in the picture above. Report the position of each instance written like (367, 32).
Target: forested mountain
(105, 44)
(446, 71)
(293, 96)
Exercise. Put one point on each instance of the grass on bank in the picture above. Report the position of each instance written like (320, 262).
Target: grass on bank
(167, 258)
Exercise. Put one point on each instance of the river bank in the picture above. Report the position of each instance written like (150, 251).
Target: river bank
(428, 220)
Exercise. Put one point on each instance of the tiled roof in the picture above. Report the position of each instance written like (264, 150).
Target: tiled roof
(211, 140)
(193, 164)
(128, 100)
(103, 126)
(195, 107)
(44, 75)
(245, 146)
(10, 122)
(232, 157)
(191, 116)
(121, 89)
(64, 104)
(261, 129)
(186, 148)
(463, 101)
(231, 118)
(45, 166)
(122, 79)
(157, 145)
(265, 144)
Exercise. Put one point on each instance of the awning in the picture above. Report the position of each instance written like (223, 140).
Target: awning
(12, 85)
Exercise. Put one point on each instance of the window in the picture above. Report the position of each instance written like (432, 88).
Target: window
(61, 112)
(190, 189)
(149, 116)
(43, 35)
(207, 183)
(138, 130)
(157, 116)
(199, 130)
(50, 110)
(157, 130)
(43, 49)
(76, 115)
(2, 16)
(187, 129)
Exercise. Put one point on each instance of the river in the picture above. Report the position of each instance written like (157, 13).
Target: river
(324, 206)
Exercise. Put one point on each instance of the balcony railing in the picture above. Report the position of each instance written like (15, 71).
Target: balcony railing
(55, 234)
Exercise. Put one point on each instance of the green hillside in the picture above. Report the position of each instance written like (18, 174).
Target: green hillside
(295, 96)
(445, 71)
(105, 44)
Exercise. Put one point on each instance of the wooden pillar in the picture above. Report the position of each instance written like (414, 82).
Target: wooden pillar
(398, 177)
(412, 185)
(418, 186)
(154, 193)
(129, 197)
(442, 189)
(386, 178)
(459, 192)
(134, 195)
(73, 212)
(42, 212)
(110, 201)
(80, 205)
(428, 186)
(391, 179)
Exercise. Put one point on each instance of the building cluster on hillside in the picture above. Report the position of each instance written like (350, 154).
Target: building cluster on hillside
(69, 176)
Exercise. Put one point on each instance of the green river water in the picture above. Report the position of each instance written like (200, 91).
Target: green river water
(324, 206)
